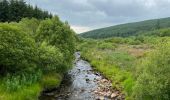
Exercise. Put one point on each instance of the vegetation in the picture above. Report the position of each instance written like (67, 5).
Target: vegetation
(36, 51)
(154, 71)
(33, 58)
(129, 29)
(15, 10)
(131, 63)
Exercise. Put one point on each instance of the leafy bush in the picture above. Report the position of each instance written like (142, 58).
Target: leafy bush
(58, 34)
(153, 81)
(17, 50)
(106, 45)
(51, 59)
(164, 32)
(29, 25)
(29, 51)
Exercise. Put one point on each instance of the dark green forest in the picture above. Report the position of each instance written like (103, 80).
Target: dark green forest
(15, 10)
(129, 29)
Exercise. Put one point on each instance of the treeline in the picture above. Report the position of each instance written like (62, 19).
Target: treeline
(129, 29)
(15, 10)
(33, 55)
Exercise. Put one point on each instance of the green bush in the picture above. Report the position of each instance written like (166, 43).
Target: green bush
(164, 32)
(18, 50)
(153, 81)
(51, 58)
(29, 51)
(103, 45)
(58, 34)
(29, 25)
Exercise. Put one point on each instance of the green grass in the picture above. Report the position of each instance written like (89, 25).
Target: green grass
(139, 69)
(51, 81)
(16, 89)
(112, 58)
(26, 93)
(112, 64)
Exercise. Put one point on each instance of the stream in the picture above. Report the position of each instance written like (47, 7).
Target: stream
(81, 83)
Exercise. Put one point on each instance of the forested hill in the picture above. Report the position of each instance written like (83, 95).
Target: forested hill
(129, 29)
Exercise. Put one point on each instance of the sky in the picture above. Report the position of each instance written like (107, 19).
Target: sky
(86, 15)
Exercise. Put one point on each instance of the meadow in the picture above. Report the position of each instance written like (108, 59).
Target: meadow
(137, 66)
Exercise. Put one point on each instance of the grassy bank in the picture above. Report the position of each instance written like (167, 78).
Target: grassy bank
(120, 60)
(15, 89)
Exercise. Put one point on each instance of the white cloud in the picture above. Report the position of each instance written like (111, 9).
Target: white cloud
(80, 29)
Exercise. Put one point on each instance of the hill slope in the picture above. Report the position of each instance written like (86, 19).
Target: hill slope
(129, 29)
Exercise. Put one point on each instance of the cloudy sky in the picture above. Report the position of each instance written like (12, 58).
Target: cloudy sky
(85, 15)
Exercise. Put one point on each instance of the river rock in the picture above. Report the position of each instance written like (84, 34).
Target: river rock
(49, 94)
(108, 94)
(104, 80)
(87, 80)
(100, 98)
(113, 95)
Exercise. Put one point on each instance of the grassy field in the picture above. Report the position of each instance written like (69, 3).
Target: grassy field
(120, 60)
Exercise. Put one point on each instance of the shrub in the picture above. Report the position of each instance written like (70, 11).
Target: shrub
(51, 59)
(106, 45)
(17, 50)
(33, 54)
(29, 25)
(58, 34)
(153, 81)
(164, 32)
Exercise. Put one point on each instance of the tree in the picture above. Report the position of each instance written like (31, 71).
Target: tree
(4, 8)
(157, 26)
(18, 51)
(58, 34)
(15, 10)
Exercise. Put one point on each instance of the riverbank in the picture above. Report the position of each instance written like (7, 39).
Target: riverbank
(33, 91)
(116, 59)
(83, 83)
(108, 84)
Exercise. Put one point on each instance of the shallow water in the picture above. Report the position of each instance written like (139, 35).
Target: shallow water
(78, 84)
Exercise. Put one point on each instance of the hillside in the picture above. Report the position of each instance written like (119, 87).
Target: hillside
(129, 29)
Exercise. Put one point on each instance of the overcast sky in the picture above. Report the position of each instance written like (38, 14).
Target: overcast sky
(85, 15)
